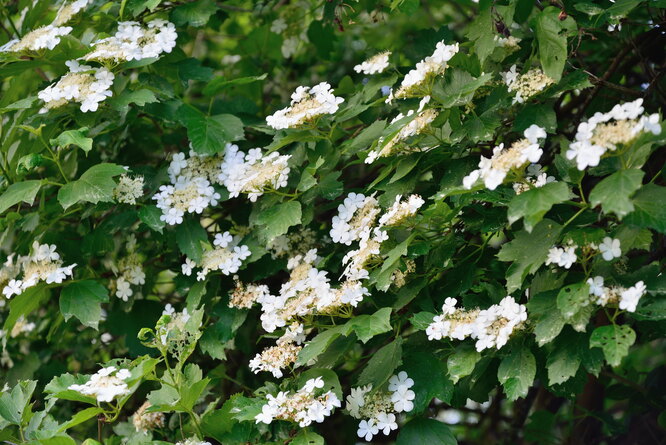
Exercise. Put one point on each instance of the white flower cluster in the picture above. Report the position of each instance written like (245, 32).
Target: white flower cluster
(44, 264)
(535, 177)
(526, 85)
(134, 42)
(128, 189)
(493, 170)
(83, 84)
(303, 406)
(396, 144)
(357, 220)
(605, 131)
(227, 256)
(147, 421)
(377, 409)
(414, 82)
(307, 104)
(245, 295)
(275, 358)
(105, 385)
(190, 190)
(626, 299)
(307, 292)
(491, 328)
(46, 37)
(68, 10)
(375, 64)
(253, 172)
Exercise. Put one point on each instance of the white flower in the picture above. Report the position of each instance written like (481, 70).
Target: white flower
(533, 133)
(123, 290)
(596, 286)
(187, 266)
(367, 429)
(402, 399)
(14, 287)
(312, 384)
(610, 248)
(266, 415)
(400, 381)
(629, 298)
(386, 423)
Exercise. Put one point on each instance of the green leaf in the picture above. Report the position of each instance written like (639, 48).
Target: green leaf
(189, 236)
(13, 403)
(150, 216)
(564, 360)
(194, 13)
(650, 208)
(278, 218)
(81, 417)
(421, 320)
(429, 375)
(422, 431)
(367, 326)
(23, 304)
(614, 340)
(517, 371)
(306, 437)
(571, 299)
(381, 365)
(548, 320)
(74, 137)
(458, 88)
(24, 191)
(533, 204)
(481, 31)
(552, 42)
(83, 300)
(528, 251)
(220, 83)
(615, 191)
(462, 361)
(319, 343)
(95, 185)
(139, 97)
(209, 134)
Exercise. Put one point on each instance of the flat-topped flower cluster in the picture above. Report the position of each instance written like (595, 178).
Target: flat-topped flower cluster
(492, 171)
(135, 42)
(304, 406)
(491, 328)
(378, 408)
(83, 84)
(43, 264)
(605, 132)
(105, 385)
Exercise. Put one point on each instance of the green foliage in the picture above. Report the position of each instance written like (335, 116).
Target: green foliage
(192, 222)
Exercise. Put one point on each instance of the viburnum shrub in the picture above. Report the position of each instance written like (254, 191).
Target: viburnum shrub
(308, 222)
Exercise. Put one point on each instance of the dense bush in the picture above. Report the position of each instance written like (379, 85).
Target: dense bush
(460, 239)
